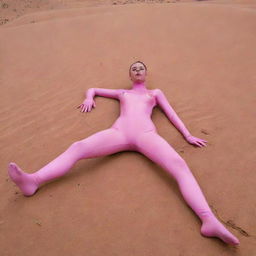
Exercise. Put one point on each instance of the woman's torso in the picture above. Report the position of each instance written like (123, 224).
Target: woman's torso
(135, 111)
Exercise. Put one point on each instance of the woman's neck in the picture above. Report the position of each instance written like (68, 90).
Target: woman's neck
(139, 86)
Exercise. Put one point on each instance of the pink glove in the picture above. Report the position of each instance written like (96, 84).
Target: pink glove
(87, 105)
(196, 141)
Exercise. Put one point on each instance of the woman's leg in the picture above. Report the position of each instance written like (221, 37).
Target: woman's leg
(160, 151)
(102, 143)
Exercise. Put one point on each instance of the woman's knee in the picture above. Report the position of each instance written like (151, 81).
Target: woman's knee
(77, 146)
(178, 167)
(178, 162)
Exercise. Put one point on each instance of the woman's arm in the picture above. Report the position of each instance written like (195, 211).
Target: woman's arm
(109, 93)
(171, 114)
(89, 103)
(173, 117)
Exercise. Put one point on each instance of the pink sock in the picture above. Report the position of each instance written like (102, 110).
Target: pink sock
(212, 227)
(26, 182)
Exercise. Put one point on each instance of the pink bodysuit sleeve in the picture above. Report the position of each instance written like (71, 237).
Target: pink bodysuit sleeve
(109, 93)
(89, 102)
(171, 114)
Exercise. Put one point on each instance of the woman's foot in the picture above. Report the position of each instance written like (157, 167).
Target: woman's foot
(212, 227)
(24, 181)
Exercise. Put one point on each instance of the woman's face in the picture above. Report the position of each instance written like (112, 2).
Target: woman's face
(138, 72)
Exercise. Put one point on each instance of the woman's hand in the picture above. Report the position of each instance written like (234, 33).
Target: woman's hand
(87, 105)
(196, 141)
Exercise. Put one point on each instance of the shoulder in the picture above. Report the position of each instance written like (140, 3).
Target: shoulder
(159, 96)
(157, 92)
(120, 92)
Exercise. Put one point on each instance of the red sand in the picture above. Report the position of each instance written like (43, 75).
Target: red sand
(200, 53)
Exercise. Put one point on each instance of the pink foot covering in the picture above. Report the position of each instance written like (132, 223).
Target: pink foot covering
(211, 227)
(23, 180)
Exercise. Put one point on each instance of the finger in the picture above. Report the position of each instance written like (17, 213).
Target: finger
(94, 105)
(82, 106)
(198, 140)
(202, 143)
(86, 109)
(79, 106)
(197, 143)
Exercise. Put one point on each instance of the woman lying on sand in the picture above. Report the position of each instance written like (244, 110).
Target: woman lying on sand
(132, 131)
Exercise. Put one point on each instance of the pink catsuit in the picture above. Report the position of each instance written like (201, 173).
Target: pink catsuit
(135, 131)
